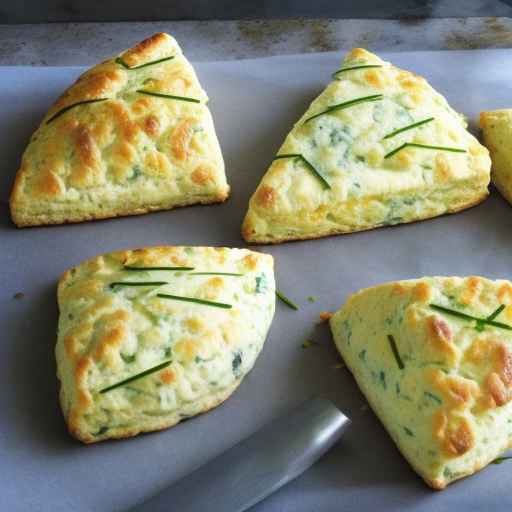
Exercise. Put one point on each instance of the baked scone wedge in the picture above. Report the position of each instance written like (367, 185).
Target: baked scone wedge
(152, 336)
(131, 135)
(378, 147)
(496, 128)
(433, 356)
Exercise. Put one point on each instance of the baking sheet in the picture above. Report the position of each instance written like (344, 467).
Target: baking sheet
(254, 103)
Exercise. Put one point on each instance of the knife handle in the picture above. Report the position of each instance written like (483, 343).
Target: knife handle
(257, 466)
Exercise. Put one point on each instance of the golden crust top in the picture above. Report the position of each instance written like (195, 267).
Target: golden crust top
(353, 149)
(109, 332)
(454, 392)
(105, 148)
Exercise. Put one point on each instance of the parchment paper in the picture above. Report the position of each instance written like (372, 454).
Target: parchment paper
(254, 103)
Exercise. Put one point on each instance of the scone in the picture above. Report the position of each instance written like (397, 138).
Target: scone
(496, 128)
(131, 135)
(153, 336)
(378, 147)
(433, 356)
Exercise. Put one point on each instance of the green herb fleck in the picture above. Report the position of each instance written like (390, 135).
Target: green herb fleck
(73, 105)
(500, 460)
(236, 363)
(312, 298)
(137, 376)
(283, 298)
(433, 397)
(352, 68)
(194, 300)
(215, 274)
(144, 269)
(309, 343)
(128, 359)
(168, 96)
(345, 104)
(101, 431)
(362, 355)
(121, 62)
(394, 349)
(409, 432)
(137, 283)
(382, 377)
(409, 127)
(496, 312)
(308, 164)
(423, 146)
(261, 283)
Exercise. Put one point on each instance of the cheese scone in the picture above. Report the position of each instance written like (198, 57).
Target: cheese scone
(433, 356)
(131, 135)
(496, 128)
(152, 336)
(378, 147)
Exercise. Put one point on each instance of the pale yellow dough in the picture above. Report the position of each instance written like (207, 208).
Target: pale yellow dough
(131, 153)
(348, 148)
(108, 334)
(445, 398)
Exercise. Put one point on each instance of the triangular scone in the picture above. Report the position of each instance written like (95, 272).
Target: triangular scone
(340, 169)
(150, 337)
(433, 356)
(112, 146)
(496, 128)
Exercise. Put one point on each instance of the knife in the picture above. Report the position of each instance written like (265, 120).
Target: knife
(257, 466)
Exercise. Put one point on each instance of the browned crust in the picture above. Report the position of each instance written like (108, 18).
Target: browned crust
(45, 220)
(260, 241)
(87, 438)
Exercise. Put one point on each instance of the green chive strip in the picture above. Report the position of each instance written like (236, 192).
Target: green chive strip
(423, 146)
(479, 321)
(168, 96)
(308, 164)
(137, 376)
(143, 269)
(394, 349)
(351, 68)
(215, 274)
(196, 301)
(346, 104)
(499, 460)
(408, 127)
(494, 314)
(283, 298)
(73, 105)
(120, 61)
(137, 283)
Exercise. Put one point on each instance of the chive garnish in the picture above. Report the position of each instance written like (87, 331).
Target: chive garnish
(168, 96)
(499, 460)
(308, 164)
(480, 322)
(423, 146)
(137, 376)
(215, 274)
(142, 269)
(346, 104)
(137, 283)
(394, 349)
(73, 105)
(495, 313)
(120, 61)
(408, 127)
(351, 68)
(196, 301)
(283, 298)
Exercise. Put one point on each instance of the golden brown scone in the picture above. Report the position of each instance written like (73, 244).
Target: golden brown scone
(392, 151)
(496, 128)
(152, 336)
(110, 147)
(433, 356)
